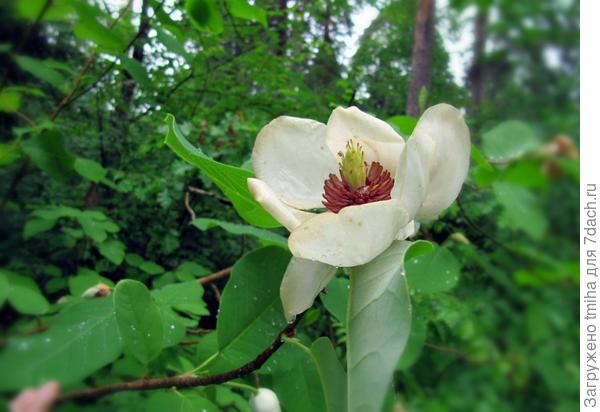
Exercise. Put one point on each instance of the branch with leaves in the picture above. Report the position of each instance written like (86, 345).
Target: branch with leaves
(185, 380)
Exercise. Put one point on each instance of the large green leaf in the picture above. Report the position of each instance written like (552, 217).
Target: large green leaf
(41, 70)
(430, 268)
(47, 151)
(113, 250)
(336, 298)
(83, 338)
(231, 180)
(266, 236)
(139, 320)
(332, 374)
(184, 297)
(205, 15)
(23, 294)
(521, 210)
(251, 315)
(379, 318)
(89, 169)
(509, 140)
(136, 70)
(161, 401)
(243, 10)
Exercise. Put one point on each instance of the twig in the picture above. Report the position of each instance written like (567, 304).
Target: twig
(199, 331)
(186, 202)
(184, 381)
(216, 291)
(480, 230)
(215, 276)
(220, 198)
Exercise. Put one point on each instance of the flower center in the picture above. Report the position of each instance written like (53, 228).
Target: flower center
(359, 183)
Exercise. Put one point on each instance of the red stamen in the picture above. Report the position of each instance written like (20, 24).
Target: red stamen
(338, 194)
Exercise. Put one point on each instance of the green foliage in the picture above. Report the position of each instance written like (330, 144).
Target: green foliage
(92, 203)
(139, 320)
(82, 339)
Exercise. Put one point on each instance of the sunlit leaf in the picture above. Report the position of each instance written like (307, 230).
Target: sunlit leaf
(250, 314)
(430, 271)
(243, 10)
(82, 339)
(24, 294)
(231, 180)
(204, 15)
(266, 236)
(139, 320)
(509, 140)
(89, 169)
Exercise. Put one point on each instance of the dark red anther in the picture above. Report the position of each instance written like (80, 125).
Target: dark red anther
(338, 194)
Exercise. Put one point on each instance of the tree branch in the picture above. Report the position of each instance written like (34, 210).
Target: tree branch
(184, 381)
(215, 276)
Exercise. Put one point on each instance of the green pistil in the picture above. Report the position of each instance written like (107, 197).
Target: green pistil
(353, 167)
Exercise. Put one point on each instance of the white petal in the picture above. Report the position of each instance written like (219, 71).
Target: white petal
(412, 176)
(291, 156)
(289, 217)
(382, 142)
(449, 163)
(302, 282)
(409, 230)
(351, 237)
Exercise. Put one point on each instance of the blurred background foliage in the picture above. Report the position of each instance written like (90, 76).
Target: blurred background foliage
(90, 194)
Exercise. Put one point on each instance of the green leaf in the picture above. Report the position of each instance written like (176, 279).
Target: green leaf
(82, 339)
(89, 169)
(42, 70)
(84, 280)
(151, 268)
(336, 298)
(171, 43)
(205, 15)
(10, 151)
(10, 101)
(404, 124)
(90, 29)
(231, 180)
(250, 314)
(139, 320)
(184, 297)
(243, 10)
(178, 401)
(332, 374)
(36, 226)
(136, 70)
(24, 295)
(268, 237)
(434, 271)
(415, 343)
(296, 380)
(92, 227)
(4, 288)
(521, 210)
(379, 318)
(509, 140)
(47, 151)
(113, 250)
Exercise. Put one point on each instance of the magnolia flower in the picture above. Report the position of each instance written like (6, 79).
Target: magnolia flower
(374, 188)
(265, 401)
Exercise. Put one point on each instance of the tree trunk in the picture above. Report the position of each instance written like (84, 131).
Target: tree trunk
(279, 24)
(476, 76)
(421, 55)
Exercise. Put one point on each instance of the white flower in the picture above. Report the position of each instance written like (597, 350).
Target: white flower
(383, 186)
(265, 401)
